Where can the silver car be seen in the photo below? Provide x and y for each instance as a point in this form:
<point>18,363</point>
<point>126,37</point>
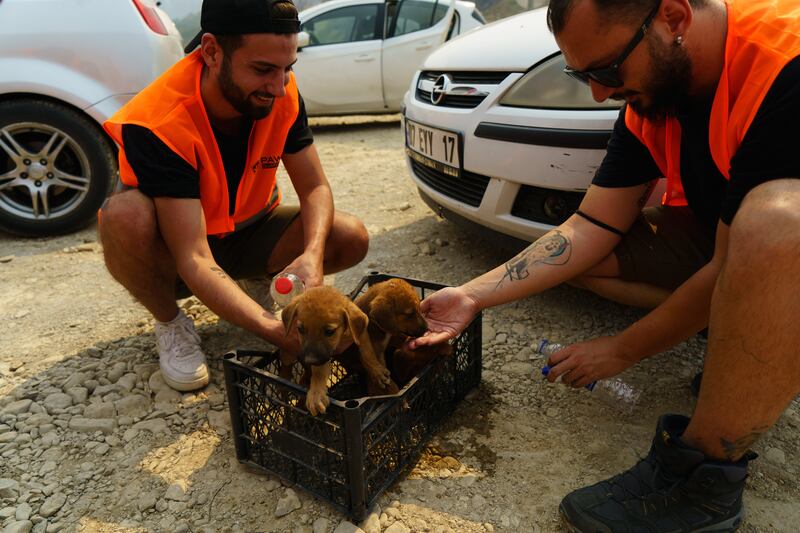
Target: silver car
<point>65,67</point>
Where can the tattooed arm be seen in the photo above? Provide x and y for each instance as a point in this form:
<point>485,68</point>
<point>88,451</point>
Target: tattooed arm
<point>183,229</point>
<point>560,255</point>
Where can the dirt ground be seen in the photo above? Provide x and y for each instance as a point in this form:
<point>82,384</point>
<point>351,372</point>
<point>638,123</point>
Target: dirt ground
<point>90,440</point>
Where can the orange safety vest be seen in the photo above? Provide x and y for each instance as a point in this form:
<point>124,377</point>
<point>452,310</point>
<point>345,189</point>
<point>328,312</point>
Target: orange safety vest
<point>172,108</point>
<point>763,36</point>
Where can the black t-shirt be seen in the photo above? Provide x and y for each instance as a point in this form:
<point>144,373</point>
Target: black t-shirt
<point>770,150</point>
<point>163,173</point>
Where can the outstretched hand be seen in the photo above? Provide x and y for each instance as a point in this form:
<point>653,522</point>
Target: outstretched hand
<point>447,311</point>
<point>582,363</point>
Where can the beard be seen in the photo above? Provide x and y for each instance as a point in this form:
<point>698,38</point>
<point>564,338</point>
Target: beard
<point>239,100</point>
<point>668,84</point>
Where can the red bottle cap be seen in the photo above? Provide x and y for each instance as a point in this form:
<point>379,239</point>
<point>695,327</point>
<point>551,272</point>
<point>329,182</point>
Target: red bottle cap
<point>284,285</point>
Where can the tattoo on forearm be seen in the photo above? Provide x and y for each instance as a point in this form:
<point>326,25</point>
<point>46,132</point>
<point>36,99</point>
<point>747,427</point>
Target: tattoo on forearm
<point>734,449</point>
<point>221,273</point>
<point>646,194</point>
<point>552,249</point>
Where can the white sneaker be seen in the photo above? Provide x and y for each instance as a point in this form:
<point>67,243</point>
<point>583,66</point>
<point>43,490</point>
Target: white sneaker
<point>258,290</point>
<point>182,362</point>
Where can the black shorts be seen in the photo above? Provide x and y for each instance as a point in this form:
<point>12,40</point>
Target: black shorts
<point>665,247</point>
<point>245,253</point>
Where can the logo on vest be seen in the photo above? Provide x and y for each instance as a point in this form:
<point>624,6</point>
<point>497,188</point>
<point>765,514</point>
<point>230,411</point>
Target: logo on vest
<point>266,162</point>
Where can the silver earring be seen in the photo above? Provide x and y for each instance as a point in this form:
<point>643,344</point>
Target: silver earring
<point>679,40</point>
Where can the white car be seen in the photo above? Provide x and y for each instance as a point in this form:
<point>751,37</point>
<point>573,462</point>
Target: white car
<point>358,56</point>
<point>60,79</point>
<point>497,135</point>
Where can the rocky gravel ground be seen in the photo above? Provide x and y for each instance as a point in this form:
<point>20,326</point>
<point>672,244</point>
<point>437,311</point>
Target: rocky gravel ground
<point>91,439</point>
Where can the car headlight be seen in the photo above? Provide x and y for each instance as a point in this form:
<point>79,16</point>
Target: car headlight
<point>547,87</point>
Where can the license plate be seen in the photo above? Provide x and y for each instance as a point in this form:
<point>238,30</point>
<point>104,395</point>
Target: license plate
<point>434,148</point>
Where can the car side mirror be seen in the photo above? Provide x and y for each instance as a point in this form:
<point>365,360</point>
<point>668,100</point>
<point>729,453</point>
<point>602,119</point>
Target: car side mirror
<point>303,40</point>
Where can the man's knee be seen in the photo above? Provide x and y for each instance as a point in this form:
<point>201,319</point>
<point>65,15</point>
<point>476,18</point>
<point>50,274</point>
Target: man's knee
<point>352,241</point>
<point>767,225</point>
<point>128,216</point>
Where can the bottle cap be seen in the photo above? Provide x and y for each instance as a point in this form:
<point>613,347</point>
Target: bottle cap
<point>545,370</point>
<point>284,285</point>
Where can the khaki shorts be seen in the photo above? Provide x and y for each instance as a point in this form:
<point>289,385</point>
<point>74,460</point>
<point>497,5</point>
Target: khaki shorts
<point>245,253</point>
<point>665,247</point>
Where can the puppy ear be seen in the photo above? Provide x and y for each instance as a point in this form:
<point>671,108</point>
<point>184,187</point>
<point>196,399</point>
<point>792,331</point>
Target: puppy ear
<point>381,312</point>
<point>289,315</point>
<point>357,321</point>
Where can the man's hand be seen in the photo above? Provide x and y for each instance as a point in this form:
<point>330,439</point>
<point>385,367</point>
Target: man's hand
<point>447,312</point>
<point>585,362</point>
<point>308,268</point>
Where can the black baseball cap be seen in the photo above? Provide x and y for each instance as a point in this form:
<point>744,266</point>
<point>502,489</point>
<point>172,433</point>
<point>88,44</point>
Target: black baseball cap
<point>237,17</point>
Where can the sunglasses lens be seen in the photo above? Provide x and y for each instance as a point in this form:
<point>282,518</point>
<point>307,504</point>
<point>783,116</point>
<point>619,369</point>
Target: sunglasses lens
<point>577,75</point>
<point>606,78</point>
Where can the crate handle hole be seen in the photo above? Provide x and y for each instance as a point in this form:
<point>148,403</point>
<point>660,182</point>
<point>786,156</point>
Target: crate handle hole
<point>352,404</point>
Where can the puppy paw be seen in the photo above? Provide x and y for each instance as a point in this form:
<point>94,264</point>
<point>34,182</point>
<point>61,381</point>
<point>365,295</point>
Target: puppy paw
<point>317,402</point>
<point>381,375</point>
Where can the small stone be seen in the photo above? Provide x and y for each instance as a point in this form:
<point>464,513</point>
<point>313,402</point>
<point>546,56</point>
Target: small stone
<point>100,410</point>
<point>17,408</point>
<point>75,380</point>
<point>116,372</point>
<point>156,382</point>
<point>134,405</point>
<point>182,527</point>
<point>175,493</point>
<point>372,524</point>
<point>478,502</point>
<point>488,527</point>
<point>161,506</point>
<point>90,425</point>
<point>22,526</point>
<point>102,449</point>
<point>52,504</point>
<point>347,527</point>
<point>8,437</point>
<point>520,368</point>
<point>145,502</point>
<point>7,258</point>
<point>487,332</point>
<point>57,401</point>
<point>79,395</point>
<point>156,425</point>
<point>220,421</point>
<point>23,512</point>
<point>47,467</point>
<point>321,525</point>
<point>551,412</point>
<point>290,502</point>
<point>775,456</point>
<point>397,527</point>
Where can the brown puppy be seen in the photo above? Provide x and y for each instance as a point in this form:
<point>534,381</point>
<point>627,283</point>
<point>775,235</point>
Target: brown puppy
<point>394,316</point>
<point>325,319</point>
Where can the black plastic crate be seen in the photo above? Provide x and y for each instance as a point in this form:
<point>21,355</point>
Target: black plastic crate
<point>353,452</point>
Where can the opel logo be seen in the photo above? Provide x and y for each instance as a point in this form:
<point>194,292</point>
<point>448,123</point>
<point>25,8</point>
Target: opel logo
<point>440,88</point>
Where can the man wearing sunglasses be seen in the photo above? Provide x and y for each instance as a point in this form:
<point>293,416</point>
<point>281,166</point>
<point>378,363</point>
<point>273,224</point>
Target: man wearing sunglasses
<point>712,94</point>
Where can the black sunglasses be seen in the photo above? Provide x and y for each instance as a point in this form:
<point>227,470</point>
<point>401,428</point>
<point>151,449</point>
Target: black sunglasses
<point>609,76</point>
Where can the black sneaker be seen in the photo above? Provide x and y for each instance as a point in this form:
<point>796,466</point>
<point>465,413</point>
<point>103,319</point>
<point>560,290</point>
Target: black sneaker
<point>673,489</point>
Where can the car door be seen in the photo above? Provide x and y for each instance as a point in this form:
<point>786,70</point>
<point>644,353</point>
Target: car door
<point>339,72</point>
<point>415,28</point>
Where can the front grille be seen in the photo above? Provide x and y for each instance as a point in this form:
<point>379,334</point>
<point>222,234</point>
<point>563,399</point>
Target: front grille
<point>481,78</point>
<point>548,206</point>
<point>485,79</point>
<point>467,188</point>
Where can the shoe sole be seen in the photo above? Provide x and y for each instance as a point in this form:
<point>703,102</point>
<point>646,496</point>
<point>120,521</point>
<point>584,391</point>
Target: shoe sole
<point>186,386</point>
<point>732,524</point>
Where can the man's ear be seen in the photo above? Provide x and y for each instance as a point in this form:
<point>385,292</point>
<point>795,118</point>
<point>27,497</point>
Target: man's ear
<point>289,316</point>
<point>381,313</point>
<point>211,50</point>
<point>357,321</point>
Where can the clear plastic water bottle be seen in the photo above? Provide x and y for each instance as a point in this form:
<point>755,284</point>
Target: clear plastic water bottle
<point>284,287</point>
<point>613,391</point>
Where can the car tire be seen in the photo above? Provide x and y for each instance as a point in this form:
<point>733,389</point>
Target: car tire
<point>56,168</point>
